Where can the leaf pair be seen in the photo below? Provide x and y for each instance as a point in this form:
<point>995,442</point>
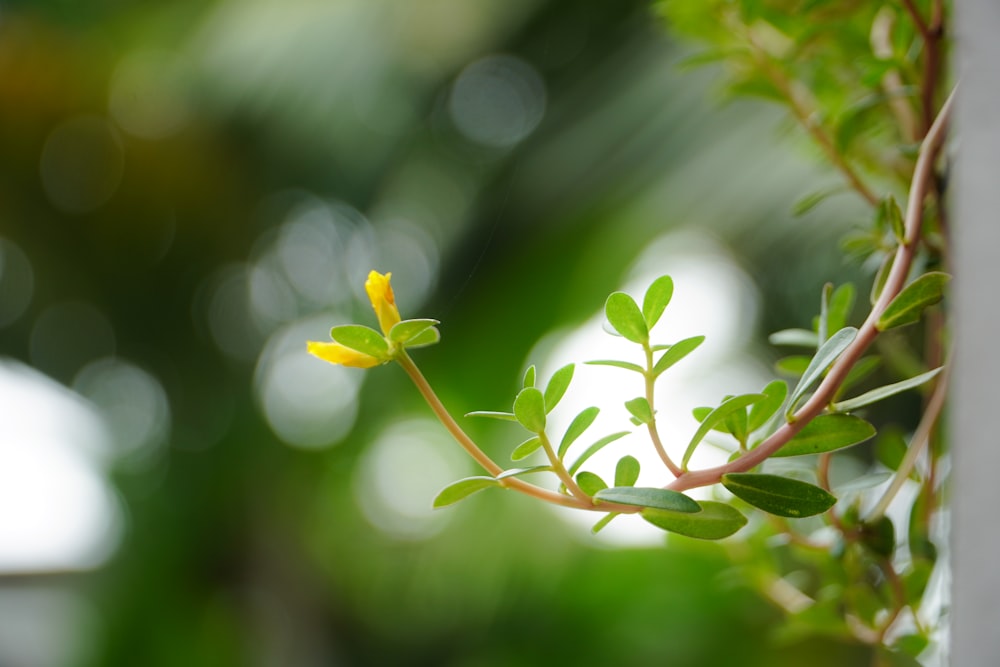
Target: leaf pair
<point>531,405</point>
<point>632,323</point>
<point>407,333</point>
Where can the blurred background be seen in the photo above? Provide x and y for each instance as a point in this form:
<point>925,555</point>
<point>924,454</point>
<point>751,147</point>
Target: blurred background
<point>191,190</point>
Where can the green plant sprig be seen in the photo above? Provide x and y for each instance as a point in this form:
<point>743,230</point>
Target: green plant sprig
<point>869,330</point>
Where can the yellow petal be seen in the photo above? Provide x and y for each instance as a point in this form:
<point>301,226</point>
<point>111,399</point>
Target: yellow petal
<point>336,353</point>
<point>383,300</point>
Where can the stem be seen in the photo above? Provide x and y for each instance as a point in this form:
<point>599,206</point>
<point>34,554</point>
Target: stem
<point>919,187</point>
<point>654,434</point>
<point>892,82</point>
<point>469,445</point>
<point>560,470</point>
<point>917,444</point>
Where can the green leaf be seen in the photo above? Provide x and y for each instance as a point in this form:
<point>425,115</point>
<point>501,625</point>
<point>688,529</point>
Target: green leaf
<point>820,323</point>
<point>881,276</point>
<point>810,201</point>
<point>526,448</point>
<point>529,377</point>
<point>642,496</point>
<point>761,411</point>
<point>594,448</point>
<point>529,408</point>
<point>617,364</point>
<point>405,331</point>
<point>909,304</point>
<point>462,489</point>
<point>558,384</point>
<point>717,417</point>
<point>590,483</point>
<point>794,338</point>
<point>576,428</point>
<point>793,366</point>
<point>640,409</point>
<point>361,339</point>
<point>826,355</point>
<point>656,299</point>
<point>879,536</point>
<point>839,307</point>
<point>779,495</point>
<point>627,471</point>
<point>429,336</point>
<point>827,433</point>
<point>625,316</point>
<point>890,448</point>
<point>888,390</point>
<point>736,424</point>
<point>701,412</point>
<point>890,215</point>
<point>676,352</point>
<point>605,520</point>
<point>912,645</point>
<point>916,579</point>
<point>714,522</point>
<point>505,416</point>
<point>516,472</point>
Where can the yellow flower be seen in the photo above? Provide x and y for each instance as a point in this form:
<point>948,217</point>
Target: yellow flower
<point>336,353</point>
<point>383,300</point>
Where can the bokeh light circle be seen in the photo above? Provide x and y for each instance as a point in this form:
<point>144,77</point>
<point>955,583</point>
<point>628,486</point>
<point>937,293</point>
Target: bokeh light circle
<point>497,101</point>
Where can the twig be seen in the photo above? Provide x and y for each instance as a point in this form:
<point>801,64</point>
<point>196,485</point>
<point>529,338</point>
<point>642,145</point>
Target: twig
<point>917,444</point>
<point>922,176</point>
<point>654,433</point>
<point>469,445</point>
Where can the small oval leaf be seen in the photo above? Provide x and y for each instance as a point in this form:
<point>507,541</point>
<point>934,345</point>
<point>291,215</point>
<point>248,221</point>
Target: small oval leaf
<point>714,522</point>
<point>576,428</point>
<point>590,483</point>
<point>827,433</point>
<point>761,411</point>
<point>529,377</point>
<point>909,304</point>
<point>642,496</point>
<point>558,384</point>
<point>676,352</point>
<point>529,408</point>
<point>716,418</point>
<point>779,495</point>
<point>639,408</point>
<point>526,448</point>
<point>793,366</point>
<point>839,307</point>
<point>405,331</point>
<point>462,489</point>
<point>625,316</point>
<point>429,336</point>
<point>656,299</point>
<point>361,339</point>
<point>627,471</point>
<point>794,338</point>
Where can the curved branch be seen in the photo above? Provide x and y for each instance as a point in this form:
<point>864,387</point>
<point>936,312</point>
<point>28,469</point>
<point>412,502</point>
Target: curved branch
<point>921,184</point>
